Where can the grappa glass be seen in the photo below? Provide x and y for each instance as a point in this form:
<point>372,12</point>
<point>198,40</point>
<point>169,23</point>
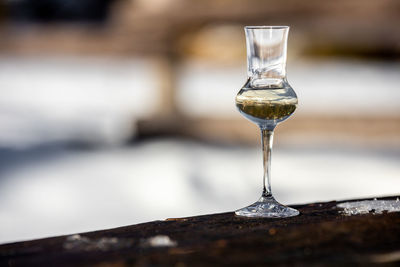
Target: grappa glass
<point>266,99</point>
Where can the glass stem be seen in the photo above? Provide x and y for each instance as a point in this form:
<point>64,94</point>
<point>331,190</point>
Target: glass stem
<point>267,136</point>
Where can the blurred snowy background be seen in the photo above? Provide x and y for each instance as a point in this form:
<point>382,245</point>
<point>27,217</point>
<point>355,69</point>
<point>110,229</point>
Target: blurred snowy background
<point>109,119</point>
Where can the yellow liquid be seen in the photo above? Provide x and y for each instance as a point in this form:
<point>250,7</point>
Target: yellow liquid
<point>266,104</point>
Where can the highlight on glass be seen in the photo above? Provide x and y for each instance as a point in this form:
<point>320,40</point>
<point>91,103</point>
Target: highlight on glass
<point>266,99</point>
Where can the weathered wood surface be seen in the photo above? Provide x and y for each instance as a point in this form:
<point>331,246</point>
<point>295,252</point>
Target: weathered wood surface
<point>320,235</point>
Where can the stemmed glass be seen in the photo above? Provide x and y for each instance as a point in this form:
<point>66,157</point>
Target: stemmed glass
<point>266,99</point>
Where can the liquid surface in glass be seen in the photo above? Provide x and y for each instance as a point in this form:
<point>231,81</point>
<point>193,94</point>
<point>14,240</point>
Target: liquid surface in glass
<point>263,105</point>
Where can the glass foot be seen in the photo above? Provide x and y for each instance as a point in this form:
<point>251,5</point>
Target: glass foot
<point>267,207</point>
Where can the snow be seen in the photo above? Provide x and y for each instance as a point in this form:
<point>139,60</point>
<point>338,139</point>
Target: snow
<point>369,206</point>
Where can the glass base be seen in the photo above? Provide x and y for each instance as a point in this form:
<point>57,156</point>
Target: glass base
<point>267,207</point>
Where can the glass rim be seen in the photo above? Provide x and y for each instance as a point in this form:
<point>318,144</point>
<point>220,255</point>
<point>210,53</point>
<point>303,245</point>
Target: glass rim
<point>266,27</point>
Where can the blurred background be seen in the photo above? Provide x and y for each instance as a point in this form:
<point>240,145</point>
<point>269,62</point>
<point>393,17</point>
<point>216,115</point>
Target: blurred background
<point>116,112</point>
